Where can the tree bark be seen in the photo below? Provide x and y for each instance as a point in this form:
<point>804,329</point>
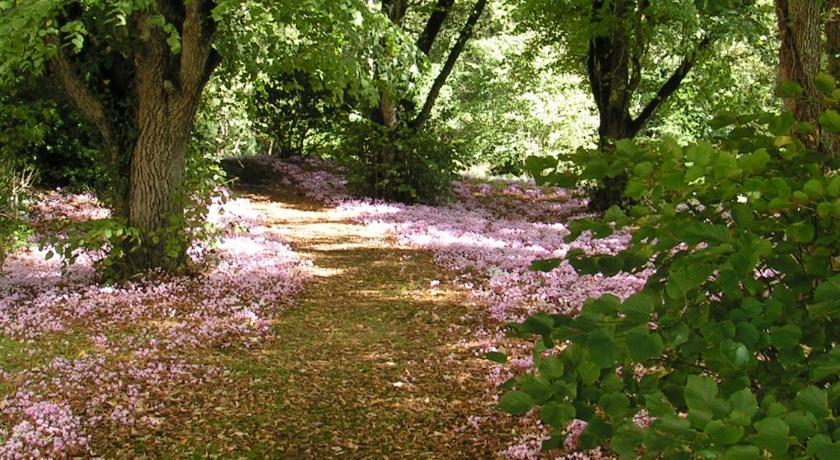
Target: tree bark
<point>434,25</point>
<point>168,97</point>
<point>799,57</point>
<point>832,30</point>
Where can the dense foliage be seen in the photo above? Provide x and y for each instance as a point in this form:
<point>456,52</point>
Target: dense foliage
<point>731,345</point>
<point>403,165</point>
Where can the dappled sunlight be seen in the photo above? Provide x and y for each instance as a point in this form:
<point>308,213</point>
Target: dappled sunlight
<point>170,319</point>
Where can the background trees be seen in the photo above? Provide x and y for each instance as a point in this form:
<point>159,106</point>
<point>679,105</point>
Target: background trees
<point>636,54</point>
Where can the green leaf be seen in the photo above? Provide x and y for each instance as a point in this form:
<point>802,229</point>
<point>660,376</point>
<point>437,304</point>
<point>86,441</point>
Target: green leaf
<point>602,350</point>
<point>742,453</point>
<point>700,392</point>
<point>785,337</point>
<point>782,124</point>
<point>539,323</point>
<point>827,298</point>
<point>643,169</point>
<point>643,345</point>
<point>744,403</point>
<point>607,304</point>
<point>813,400</point>
<point>545,265</point>
<point>823,448</point>
<point>723,120</point>
<point>638,307</point>
<point>772,435</point>
<point>615,405</point>
<point>814,188</point>
<point>557,415</point>
<point>626,439</point>
<point>830,121</point>
<point>538,166</point>
<point>801,232</point>
<point>552,367</point>
<point>721,433</point>
<point>516,403</point>
<point>825,83</point>
<point>790,89</point>
<point>496,356</point>
<point>597,431</point>
<point>536,388</point>
<point>826,366</point>
<point>834,187</point>
<point>802,424</point>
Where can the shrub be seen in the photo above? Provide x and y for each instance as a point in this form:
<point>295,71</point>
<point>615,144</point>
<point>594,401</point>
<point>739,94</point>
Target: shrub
<point>731,345</point>
<point>404,165</point>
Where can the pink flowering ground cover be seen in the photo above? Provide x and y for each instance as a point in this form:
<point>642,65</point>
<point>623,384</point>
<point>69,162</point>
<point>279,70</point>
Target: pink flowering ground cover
<point>487,238</point>
<point>83,365</point>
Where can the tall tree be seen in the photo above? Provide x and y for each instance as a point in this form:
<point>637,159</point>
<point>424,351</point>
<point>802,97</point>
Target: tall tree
<point>800,53</point>
<point>393,106</point>
<point>635,55</point>
<point>832,31</point>
<point>620,46</point>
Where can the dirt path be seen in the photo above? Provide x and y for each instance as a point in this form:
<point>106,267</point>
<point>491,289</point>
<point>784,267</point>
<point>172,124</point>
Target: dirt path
<point>367,364</point>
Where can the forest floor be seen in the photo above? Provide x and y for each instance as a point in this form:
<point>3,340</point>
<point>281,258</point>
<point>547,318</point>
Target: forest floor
<point>324,326</point>
<point>369,363</point>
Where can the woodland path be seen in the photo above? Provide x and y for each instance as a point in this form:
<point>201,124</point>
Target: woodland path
<point>369,362</point>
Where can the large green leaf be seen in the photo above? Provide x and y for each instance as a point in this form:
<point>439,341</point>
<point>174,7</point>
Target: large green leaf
<point>700,392</point>
<point>516,402</point>
<point>557,415</point>
<point>830,121</point>
<point>643,345</point>
<point>772,434</point>
<point>813,400</point>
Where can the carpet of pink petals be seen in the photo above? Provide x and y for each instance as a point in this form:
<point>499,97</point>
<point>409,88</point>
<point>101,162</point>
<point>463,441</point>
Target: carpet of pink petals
<point>487,237</point>
<point>137,341</point>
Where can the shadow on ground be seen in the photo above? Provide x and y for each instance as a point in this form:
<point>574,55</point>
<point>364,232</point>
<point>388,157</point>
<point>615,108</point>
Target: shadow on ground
<point>368,364</point>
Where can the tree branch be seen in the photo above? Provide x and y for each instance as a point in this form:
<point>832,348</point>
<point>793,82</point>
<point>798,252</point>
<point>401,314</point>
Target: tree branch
<point>451,59</point>
<point>669,87</point>
<point>641,47</point>
<point>434,25</point>
<point>196,46</point>
<point>91,108</point>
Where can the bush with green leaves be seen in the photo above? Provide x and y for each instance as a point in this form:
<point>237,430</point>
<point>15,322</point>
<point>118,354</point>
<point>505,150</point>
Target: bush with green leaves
<point>404,164</point>
<point>731,345</point>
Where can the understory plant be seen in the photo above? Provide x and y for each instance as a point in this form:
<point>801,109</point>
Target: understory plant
<point>405,164</point>
<point>729,351</point>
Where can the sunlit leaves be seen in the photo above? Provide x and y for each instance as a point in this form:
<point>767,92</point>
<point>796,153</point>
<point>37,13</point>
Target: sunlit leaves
<point>743,240</point>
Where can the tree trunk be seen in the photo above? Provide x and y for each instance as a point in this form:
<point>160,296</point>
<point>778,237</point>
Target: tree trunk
<point>153,137</point>
<point>156,201</point>
<point>165,118</point>
<point>449,65</point>
<point>799,58</point>
<point>434,25</point>
<point>832,29</point>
